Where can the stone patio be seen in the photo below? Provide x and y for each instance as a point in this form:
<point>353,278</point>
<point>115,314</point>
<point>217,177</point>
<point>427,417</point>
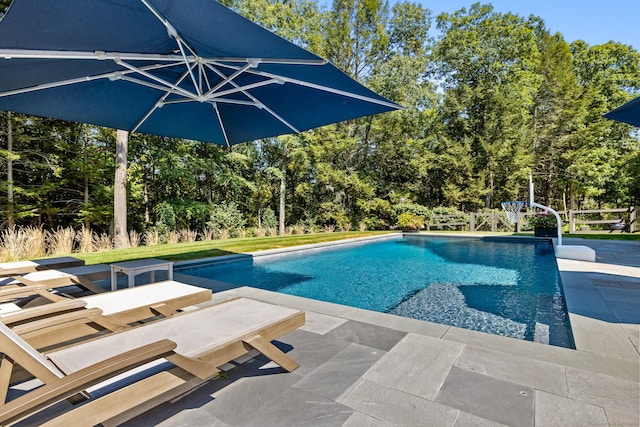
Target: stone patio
<point>361,368</point>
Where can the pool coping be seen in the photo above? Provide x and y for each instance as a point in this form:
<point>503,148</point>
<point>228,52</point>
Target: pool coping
<point>601,346</point>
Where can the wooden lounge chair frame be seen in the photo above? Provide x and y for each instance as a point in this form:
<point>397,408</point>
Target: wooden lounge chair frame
<point>135,306</point>
<point>190,369</point>
<point>23,267</point>
<point>61,277</point>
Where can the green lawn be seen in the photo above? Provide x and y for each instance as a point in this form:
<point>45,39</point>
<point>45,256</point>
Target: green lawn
<point>213,248</point>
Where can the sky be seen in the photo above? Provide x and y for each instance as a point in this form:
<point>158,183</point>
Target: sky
<point>595,22</point>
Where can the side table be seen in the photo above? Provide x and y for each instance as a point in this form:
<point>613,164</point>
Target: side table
<point>133,268</point>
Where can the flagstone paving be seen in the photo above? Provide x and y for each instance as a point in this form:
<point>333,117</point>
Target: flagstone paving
<point>359,368</point>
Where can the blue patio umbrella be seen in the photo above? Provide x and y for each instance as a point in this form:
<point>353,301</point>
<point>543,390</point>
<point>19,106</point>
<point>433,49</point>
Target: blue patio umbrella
<point>191,69</point>
<point>627,113</point>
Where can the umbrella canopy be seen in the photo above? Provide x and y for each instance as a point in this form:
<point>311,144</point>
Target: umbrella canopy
<point>627,113</point>
<point>190,69</point>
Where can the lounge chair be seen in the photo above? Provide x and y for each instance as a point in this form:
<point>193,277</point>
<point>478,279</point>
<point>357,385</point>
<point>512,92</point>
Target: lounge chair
<point>23,267</point>
<point>204,339</point>
<point>60,277</point>
<point>125,306</point>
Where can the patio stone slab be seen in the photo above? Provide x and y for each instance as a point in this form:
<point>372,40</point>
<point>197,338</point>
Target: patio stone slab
<point>417,365</point>
<point>338,374</point>
<point>302,408</point>
<point>367,335</point>
<point>607,338</point>
<point>310,350</point>
<point>557,411</point>
<point>396,407</point>
<point>358,419</point>
<point>320,323</point>
<point>531,373</point>
<point>488,398</point>
<point>469,420</point>
<point>620,419</point>
<point>603,390</point>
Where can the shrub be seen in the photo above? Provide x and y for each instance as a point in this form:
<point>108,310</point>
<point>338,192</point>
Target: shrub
<point>207,234</point>
<point>20,243</point>
<point>409,221</point>
<point>269,219</point>
<point>271,231</point>
<point>222,234</point>
<point>84,237</point>
<point>151,237</point>
<point>173,237</point>
<point>226,216</point>
<point>60,242</point>
<point>413,208</point>
<point>187,235</point>
<point>166,220</point>
<point>102,242</point>
<point>135,239</point>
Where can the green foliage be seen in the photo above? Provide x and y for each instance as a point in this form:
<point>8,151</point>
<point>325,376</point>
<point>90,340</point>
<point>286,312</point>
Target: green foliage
<point>226,216</point>
<point>543,220</point>
<point>409,221</point>
<point>414,209</point>
<point>166,220</point>
<point>269,219</point>
<point>489,98</point>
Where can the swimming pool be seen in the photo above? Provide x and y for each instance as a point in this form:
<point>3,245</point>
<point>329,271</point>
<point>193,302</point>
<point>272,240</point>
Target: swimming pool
<point>504,287</point>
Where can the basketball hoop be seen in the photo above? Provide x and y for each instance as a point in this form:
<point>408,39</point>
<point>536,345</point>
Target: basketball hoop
<point>512,209</point>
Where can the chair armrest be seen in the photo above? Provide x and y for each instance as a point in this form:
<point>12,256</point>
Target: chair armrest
<point>33,313</point>
<point>84,316</point>
<point>8,292</point>
<point>78,381</point>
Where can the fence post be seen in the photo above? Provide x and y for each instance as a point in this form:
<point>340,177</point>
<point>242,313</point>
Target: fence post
<point>572,222</point>
<point>494,222</point>
<point>632,219</point>
<point>472,221</point>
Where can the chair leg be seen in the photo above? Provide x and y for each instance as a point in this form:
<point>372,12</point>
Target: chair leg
<point>6,367</point>
<point>272,352</point>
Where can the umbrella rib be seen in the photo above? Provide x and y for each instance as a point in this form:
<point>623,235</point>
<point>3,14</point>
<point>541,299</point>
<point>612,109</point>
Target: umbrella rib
<point>132,56</point>
<point>220,100</point>
<point>117,75</point>
<point>254,99</point>
<point>173,33</point>
<point>189,68</point>
<point>323,88</point>
<point>159,103</point>
<point>224,132</point>
<point>226,80</point>
<point>162,82</point>
<point>242,88</point>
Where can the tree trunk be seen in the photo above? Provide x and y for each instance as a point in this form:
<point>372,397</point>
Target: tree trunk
<point>282,197</point>
<point>10,213</point>
<point>120,234</point>
<point>87,225</point>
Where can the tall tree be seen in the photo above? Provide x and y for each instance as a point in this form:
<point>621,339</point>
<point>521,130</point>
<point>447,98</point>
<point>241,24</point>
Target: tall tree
<point>557,117</point>
<point>487,62</point>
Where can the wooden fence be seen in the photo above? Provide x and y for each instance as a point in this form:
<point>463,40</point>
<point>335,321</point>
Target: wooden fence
<point>580,221</point>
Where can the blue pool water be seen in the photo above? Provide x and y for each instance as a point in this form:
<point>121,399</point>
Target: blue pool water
<point>510,288</point>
